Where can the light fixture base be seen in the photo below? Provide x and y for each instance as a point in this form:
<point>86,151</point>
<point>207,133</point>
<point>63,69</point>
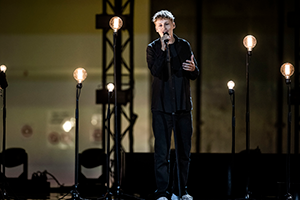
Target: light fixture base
<point>288,81</point>
<point>79,85</point>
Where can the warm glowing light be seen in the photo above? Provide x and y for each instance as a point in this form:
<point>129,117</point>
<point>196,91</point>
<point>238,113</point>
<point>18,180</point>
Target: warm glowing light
<point>230,85</point>
<point>80,75</point>
<point>249,42</point>
<point>287,70</point>
<point>68,125</point>
<point>3,68</point>
<point>116,23</point>
<point>110,87</point>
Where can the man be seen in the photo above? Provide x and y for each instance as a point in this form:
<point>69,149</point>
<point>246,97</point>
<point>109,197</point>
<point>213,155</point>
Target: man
<point>171,103</point>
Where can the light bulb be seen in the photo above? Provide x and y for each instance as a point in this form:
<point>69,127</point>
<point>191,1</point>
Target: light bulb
<point>230,85</point>
<point>80,75</point>
<point>3,68</point>
<point>249,42</point>
<point>287,70</point>
<point>116,23</point>
<point>110,87</point>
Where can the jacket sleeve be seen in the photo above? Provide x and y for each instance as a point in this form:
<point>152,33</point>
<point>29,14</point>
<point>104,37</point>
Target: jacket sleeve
<point>155,59</point>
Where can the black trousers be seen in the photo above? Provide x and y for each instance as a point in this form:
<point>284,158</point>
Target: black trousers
<point>162,124</point>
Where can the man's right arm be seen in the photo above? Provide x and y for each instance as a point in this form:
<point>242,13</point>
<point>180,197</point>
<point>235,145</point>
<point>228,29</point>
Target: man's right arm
<point>155,60</point>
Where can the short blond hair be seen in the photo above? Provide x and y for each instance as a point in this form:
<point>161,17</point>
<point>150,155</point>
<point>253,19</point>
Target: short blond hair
<point>163,14</point>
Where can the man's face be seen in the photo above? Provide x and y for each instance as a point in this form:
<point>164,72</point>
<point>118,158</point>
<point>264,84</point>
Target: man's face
<point>163,25</point>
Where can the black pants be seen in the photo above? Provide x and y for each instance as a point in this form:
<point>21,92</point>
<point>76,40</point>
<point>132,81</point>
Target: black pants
<point>162,127</point>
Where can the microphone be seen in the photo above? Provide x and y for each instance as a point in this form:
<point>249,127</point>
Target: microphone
<point>166,40</point>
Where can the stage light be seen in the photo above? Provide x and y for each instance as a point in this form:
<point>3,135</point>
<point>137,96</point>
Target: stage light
<point>80,75</point>
<point>110,87</point>
<point>230,85</point>
<point>3,68</point>
<point>287,70</point>
<point>68,125</point>
<point>116,23</point>
<point>249,42</point>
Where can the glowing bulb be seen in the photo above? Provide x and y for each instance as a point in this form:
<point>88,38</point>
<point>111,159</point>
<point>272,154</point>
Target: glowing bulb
<point>287,70</point>
<point>3,68</point>
<point>249,42</point>
<point>116,23</point>
<point>80,75</point>
<point>230,85</point>
<point>110,87</point>
<point>67,126</point>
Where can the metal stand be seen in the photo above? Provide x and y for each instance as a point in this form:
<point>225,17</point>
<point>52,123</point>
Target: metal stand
<point>173,117</point>
<point>247,193</point>
<point>3,85</point>
<point>74,192</point>
<point>230,174</point>
<point>288,196</point>
<point>108,195</point>
<point>117,194</point>
<point>3,177</point>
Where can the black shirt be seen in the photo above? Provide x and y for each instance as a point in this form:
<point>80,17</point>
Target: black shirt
<point>180,51</point>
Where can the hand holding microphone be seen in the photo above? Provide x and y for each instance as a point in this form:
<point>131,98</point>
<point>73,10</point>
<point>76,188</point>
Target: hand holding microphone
<point>165,39</point>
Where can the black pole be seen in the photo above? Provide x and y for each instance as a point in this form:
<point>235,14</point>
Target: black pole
<point>117,134</point>
<point>3,177</point>
<point>288,196</point>
<point>230,174</point>
<point>3,85</point>
<point>4,130</point>
<point>108,193</point>
<point>75,194</point>
<point>173,117</point>
<point>249,53</point>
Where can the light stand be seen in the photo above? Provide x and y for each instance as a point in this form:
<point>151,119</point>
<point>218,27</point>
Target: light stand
<point>116,23</point>
<point>231,85</point>
<point>108,195</point>
<point>79,75</point>
<point>287,71</point>
<point>3,85</point>
<point>249,42</point>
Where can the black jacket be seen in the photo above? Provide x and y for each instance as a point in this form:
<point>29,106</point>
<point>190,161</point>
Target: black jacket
<point>161,90</point>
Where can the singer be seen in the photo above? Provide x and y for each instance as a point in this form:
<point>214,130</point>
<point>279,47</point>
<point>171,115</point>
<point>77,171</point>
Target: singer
<point>169,102</point>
